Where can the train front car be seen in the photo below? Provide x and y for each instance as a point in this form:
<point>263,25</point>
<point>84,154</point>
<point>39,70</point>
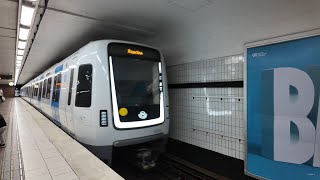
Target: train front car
<point>138,100</point>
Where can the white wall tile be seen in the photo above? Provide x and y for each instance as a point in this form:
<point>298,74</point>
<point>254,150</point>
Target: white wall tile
<point>210,123</point>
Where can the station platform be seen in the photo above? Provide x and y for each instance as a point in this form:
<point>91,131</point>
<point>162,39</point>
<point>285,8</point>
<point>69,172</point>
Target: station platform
<point>36,149</point>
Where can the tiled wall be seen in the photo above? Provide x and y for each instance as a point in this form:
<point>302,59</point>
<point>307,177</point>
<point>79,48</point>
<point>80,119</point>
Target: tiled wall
<point>211,118</point>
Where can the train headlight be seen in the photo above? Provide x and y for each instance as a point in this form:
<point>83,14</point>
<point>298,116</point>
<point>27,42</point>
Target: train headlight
<point>103,118</point>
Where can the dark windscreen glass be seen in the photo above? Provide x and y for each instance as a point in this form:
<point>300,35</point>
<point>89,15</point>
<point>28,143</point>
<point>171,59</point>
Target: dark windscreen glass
<point>137,87</point>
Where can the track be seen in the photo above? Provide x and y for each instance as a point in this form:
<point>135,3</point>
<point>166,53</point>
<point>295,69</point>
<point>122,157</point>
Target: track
<point>168,168</point>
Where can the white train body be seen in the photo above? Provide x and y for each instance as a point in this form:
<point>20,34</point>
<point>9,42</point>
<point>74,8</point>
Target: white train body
<point>126,103</point>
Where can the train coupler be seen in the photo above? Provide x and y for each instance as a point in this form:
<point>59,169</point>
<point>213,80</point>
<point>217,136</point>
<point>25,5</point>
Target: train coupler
<point>145,159</point>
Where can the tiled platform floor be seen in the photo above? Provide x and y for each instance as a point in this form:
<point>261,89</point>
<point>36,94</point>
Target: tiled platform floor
<point>42,146</point>
<point>10,157</point>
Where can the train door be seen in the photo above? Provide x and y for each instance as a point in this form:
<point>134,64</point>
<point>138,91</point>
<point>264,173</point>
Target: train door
<point>56,95</point>
<point>47,95</point>
<point>83,98</point>
<point>35,94</point>
<point>31,92</point>
<point>39,94</point>
<point>43,95</point>
<point>63,97</point>
<point>69,106</point>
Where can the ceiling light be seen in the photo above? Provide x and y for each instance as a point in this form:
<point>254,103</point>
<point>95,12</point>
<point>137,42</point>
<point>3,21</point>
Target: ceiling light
<point>19,58</point>
<point>20,52</point>
<point>10,83</point>
<point>22,44</point>
<point>26,15</point>
<point>23,33</point>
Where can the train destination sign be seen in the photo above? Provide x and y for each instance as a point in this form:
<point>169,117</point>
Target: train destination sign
<point>136,51</point>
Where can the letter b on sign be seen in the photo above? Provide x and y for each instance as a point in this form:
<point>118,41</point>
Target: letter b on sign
<point>290,133</point>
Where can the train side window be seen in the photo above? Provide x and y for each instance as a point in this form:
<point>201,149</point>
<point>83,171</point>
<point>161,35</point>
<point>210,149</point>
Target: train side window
<point>84,86</point>
<point>40,89</point>
<point>48,92</point>
<point>70,86</point>
<point>35,89</point>
<point>56,88</point>
<point>44,88</point>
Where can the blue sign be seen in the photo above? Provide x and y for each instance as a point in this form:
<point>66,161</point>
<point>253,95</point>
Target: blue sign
<point>283,112</point>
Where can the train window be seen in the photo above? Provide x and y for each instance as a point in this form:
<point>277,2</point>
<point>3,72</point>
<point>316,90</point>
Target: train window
<point>84,86</point>
<point>40,90</point>
<point>44,88</point>
<point>48,92</point>
<point>137,84</point>
<point>70,86</point>
<point>56,88</point>
<point>36,87</point>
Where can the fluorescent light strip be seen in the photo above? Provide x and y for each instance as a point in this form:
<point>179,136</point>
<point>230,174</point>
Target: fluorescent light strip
<point>23,33</point>
<point>22,44</point>
<point>20,52</point>
<point>26,15</point>
<point>19,58</point>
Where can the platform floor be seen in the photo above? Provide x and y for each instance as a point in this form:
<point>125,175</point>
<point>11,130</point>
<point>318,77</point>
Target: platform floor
<point>38,150</point>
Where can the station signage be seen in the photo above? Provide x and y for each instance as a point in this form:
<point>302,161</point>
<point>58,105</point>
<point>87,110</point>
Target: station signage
<point>283,111</point>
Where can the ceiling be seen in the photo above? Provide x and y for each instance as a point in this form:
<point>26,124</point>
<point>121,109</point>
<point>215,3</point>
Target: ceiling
<point>8,26</point>
<point>186,30</point>
<point>68,25</point>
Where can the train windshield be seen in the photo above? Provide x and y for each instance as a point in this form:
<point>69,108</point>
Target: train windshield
<point>137,88</point>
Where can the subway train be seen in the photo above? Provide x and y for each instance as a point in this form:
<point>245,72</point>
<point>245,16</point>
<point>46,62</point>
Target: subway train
<point>108,94</point>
